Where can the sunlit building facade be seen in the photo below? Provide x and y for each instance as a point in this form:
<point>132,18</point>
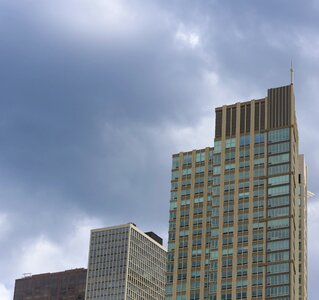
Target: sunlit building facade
<point>256,207</point>
<point>125,264</point>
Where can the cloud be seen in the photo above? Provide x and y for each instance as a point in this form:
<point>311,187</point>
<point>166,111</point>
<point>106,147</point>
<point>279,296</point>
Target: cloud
<point>5,294</point>
<point>4,225</point>
<point>96,96</point>
<point>188,38</point>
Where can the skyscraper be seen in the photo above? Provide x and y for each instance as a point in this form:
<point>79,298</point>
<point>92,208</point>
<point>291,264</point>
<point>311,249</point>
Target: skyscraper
<point>125,264</point>
<point>254,191</point>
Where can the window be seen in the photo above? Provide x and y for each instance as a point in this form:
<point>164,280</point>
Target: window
<point>278,201</point>
<point>279,148</point>
<point>244,140</point>
<point>278,190</point>
<point>278,291</point>
<point>259,138</point>
<point>278,212</point>
<point>278,256</point>
<point>278,180</point>
<point>217,146</point>
<point>279,135</point>
<point>278,279</point>
<point>200,156</point>
<point>230,143</point>
<point>187,159</point>
<point>278,159</point>
<point>278,234</point>
<point>278,245</point>
<point>278,268</point>
<point>278,169</point>
<point>280,223</point>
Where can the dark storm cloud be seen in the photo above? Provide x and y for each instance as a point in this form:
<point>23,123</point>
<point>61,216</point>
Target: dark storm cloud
<point>91,110</point>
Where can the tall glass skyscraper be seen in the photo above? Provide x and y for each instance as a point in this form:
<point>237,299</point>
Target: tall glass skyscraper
<point>238,230</point>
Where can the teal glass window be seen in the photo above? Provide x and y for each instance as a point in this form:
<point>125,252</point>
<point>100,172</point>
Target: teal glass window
<point>278,201</point>
<point>175,162</point>
<point>259,150</point>
<point>217,146</point>
<point>278,135</point>
<point>278,234</point>
<point>278,159</point>
<point>229,167</point>
<point>275,291</point>
<point>216,170</point>
<point>230,155</point>
<point>278,190</point>
<point>187,171</point>
<point>200,156</point>
<point>217,159</point>
<point>278,212</point>
<point>278,256</point>
<point>200,169</point>
<point>244,140</point>
<point>187,159</point>
<point>279,148</point>
<point>259,138</point>
<point>279,223</point>
<point>278,245</point>
<point>278,279</point>
<point>278,268</point>
<point>278,180</point>
<point>230,143</point>
<point>280,169</point>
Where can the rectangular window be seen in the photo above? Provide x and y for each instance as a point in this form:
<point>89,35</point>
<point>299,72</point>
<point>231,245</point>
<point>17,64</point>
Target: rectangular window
<point>259,138</point>
<point>278,268</point>
<point>278,180</point>
<point>280,169</point>
<point>217,146</point>
<point>278,234</point>
<point>244,140</point>
<point>278,279</point>
<point>278,245</point>
<point>280,223</point>
<point>278,190</point>
<point>278,135</point>
<point>279,148</point>
<point>279,212</point>
<point>278,256</point>
<point>278,291</point>
<point>278,159</point>
<point>278,201</point>
<point>230,143</point>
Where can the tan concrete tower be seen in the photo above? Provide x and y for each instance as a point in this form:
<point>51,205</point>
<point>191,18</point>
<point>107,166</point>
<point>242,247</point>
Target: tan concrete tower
<point>255,207</point>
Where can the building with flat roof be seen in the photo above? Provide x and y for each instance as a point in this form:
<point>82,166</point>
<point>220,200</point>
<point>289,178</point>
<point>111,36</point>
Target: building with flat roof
<point>238,212</point>
<point>125,264</point>
<point>66,285</point>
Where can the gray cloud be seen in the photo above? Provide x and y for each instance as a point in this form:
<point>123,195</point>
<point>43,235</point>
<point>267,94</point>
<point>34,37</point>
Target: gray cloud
<point>95,98</point>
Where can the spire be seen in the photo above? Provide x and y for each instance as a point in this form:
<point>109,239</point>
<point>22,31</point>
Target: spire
<point>291,73</point>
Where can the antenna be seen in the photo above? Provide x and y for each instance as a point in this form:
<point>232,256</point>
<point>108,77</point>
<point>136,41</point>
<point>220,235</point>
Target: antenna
<point>291,73</point>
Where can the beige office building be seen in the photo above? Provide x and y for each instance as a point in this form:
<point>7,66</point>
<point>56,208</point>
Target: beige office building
<point>125,264</point>
<point>253,195</point>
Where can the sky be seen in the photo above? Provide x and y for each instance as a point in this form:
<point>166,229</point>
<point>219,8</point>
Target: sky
<point>96,95</point>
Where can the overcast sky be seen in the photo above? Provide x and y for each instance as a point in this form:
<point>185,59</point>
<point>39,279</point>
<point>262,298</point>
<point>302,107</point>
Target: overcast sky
<point>96,95</point>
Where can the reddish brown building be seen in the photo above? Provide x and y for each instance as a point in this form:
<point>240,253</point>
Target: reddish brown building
<point>67,285</point>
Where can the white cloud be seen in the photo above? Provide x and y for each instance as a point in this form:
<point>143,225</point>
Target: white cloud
<point>4,293</point>
<point>87,18</point>
<point>187,37</point>
<point>43,254</point>
<point>4,225</point>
